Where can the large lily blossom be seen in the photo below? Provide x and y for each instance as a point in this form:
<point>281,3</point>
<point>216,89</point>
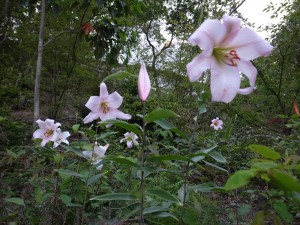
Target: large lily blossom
<point>144,85</point>
<point>96,154</point>
<point>217,124</point>
<point>61,137</point>
<point>105,106</point>
<point>227,51</point>
<point>47,131</point>
<point>130,139</point>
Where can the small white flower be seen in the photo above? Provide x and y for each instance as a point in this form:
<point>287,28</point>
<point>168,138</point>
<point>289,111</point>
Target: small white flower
<point>217,124</point>
<point>130,138</point>
<point>96,154</point>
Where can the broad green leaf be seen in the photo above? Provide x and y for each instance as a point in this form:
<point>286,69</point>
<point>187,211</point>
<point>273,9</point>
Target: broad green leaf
<point>244,209</point>
<point>94,178</point>
<point>159,114</point>
<point>66,199</point>
<point>122,124</point>
<point>239,179</point>
<point>259,218</point>
<point>18,201</point>
<point>121,160</point>
<point>154,209</point>
<point>284,181</point>
<point>116,196</point>
<point>75,128</point>
<point>217,156</point>
<point>167,157</point>
<point>282,210</point>
<point>264,166</point>
<point>265,151</point>
<point>163,194</point>
<point>118,75</point>
<point>69,172</point>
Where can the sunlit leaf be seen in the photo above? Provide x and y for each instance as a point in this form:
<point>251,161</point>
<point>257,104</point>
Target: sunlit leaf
<point>265,151</point>
<point>154,209</point>
<point>239,179</point>
<point>217,156</point>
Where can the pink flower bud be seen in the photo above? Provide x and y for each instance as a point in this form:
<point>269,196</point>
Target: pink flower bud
<point>144,85</point>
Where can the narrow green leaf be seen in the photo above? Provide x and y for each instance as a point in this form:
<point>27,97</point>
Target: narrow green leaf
<point>165,214</point>
<point>215,166</point>
<point>282,210</point>
<point>154,209</point>
<point>122,124</point>
<point>159,114</point>
<point>121,160</point>
<point>206,151</point>
<point>118,75</point>
<point>163,194</point>
<point>167,157</point>
<point>265,151</point>
<point>18,201</point>
<point>116,196</point>
<point>239,179</point>
<point>217,156</point>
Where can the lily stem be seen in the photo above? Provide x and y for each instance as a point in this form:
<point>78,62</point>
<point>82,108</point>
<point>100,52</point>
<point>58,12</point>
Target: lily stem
<point>142,169</point>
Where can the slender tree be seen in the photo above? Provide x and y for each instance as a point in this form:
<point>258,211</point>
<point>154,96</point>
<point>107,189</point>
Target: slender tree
<point>39,64</point>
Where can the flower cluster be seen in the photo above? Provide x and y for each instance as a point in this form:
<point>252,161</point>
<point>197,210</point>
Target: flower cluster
<point>227,51</point>
<point>50,132</point>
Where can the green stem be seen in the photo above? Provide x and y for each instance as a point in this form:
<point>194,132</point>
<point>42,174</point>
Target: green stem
<point>185,184</point>
<point>85,196</point>
<point>142,169</point>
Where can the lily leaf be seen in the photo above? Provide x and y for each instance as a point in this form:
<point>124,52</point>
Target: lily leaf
<point>118,76</point>
<point>159,114</point>
<point>116,196</point>
<point>122,124</point>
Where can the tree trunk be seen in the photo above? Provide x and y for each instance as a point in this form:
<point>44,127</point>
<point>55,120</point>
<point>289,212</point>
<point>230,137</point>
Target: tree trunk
<point>39,65</point>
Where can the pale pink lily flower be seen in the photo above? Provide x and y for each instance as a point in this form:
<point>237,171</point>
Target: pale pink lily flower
<point>130,139</point>
<point>105,106</point>
<point>47,131</point>
<point>227,51</point>
<point>61,137</point>
<point>97,154</point>
<point>217,124</point>
<point>144,85</point>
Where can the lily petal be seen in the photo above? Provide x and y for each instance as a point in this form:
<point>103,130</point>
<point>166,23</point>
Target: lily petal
<point>115,100</point>
<point>144,85</point>
<point>93,103</point>
<point>91,117</point>
<point>123,116</point>
<point>233,26</point>
<point>224,87</point>
<point>103,90</point>
<point>197,66</point>
<point>247,68</point>
<point>249,45</point>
